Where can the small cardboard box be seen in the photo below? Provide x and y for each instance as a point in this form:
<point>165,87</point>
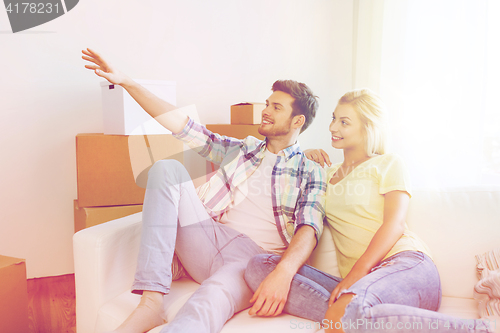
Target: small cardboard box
<point>122,115</point>
<point>112,169</point>
<point>13,295</point>
<point>247,113</point>
<point>89,216</point>
<point>236,131</point>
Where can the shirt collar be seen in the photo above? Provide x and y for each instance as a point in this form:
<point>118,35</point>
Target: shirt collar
<point>291,151</point>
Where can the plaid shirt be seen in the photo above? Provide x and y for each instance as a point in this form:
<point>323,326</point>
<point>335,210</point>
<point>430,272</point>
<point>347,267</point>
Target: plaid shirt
<point>298,184</point>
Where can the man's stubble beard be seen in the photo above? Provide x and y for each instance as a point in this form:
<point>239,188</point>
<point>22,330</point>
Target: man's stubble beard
<point>276,131</point>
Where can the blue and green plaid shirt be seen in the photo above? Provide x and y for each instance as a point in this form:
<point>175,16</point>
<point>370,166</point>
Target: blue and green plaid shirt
<point>298,184</point>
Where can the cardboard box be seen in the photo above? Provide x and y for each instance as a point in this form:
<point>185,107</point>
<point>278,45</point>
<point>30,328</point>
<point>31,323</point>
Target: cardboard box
<point>112,168</point>
<point>247,113</point>
<point>13,295</point>
<point>122,115</point>
<point>236,131</point>
<point>89,216</point>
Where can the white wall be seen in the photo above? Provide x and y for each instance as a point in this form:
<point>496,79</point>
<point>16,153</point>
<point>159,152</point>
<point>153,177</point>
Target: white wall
<point>220,52</point>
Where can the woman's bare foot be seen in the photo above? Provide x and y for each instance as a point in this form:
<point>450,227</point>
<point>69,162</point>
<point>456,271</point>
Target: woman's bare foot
<point>147,315</point>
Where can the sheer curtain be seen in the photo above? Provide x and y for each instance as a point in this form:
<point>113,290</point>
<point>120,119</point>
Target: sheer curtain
<point>435,63</point>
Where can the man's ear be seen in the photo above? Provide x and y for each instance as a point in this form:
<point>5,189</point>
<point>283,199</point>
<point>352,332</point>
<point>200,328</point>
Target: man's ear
<point>298,121</point>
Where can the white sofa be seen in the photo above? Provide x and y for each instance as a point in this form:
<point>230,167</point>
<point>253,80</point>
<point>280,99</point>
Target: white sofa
<point>456,224</point>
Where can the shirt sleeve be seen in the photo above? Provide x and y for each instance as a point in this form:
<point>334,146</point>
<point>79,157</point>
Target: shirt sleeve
<point>394,175</point>
<point>212,146</point>
<point>310,206</point>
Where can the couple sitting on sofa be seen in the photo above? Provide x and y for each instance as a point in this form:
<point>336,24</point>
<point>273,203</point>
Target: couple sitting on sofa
<point>246,234</point>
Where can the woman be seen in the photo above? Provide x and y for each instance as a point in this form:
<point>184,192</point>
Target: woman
<point>389,281</point>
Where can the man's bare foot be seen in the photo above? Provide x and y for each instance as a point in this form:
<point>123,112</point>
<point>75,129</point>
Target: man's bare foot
<point>147,315</point>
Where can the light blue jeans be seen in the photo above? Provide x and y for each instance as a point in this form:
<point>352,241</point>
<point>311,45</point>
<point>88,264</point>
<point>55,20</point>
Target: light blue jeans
<point>174,219</point>
<point>401,294</point>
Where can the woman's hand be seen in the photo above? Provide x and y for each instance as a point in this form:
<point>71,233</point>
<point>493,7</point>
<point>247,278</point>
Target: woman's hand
<point>351,278</point>
<point>102,68</point>
<point>318,156</point>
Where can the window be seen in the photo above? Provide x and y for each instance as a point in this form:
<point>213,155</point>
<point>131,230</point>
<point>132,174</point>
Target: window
<point>439,74</point>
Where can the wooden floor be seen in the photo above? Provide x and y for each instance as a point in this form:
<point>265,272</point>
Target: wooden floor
<point>52,304</point>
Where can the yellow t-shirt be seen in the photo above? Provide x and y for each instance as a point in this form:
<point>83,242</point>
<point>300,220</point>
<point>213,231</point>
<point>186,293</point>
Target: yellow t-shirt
<point>355,208</point>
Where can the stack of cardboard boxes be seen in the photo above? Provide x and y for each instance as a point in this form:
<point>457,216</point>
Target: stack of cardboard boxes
<point>245,121</point>
<point>112,167</point>
<point>112,173</point>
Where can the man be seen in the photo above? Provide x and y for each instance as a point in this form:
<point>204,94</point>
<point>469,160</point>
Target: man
<point>264,193</point>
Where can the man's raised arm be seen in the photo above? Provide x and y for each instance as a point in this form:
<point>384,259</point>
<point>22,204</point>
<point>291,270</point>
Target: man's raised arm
<point>171,119</point>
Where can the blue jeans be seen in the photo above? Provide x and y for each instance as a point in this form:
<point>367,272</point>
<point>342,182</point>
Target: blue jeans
<point>401,294</point>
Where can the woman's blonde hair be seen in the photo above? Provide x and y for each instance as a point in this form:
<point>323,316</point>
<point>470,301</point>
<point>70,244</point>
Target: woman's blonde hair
<point>371,111</point>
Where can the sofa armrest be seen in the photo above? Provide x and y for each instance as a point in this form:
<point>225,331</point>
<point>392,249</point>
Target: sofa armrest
<point>105,258</point>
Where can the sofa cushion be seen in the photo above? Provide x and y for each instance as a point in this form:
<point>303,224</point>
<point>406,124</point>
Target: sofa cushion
<point>244,323</point>
<point>456,224</point>
<point>113,313</point>
<point>459,307</point>
<point>324,256</point>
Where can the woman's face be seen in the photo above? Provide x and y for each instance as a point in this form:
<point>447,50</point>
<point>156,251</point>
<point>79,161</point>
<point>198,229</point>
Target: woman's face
<point>346,128</point>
